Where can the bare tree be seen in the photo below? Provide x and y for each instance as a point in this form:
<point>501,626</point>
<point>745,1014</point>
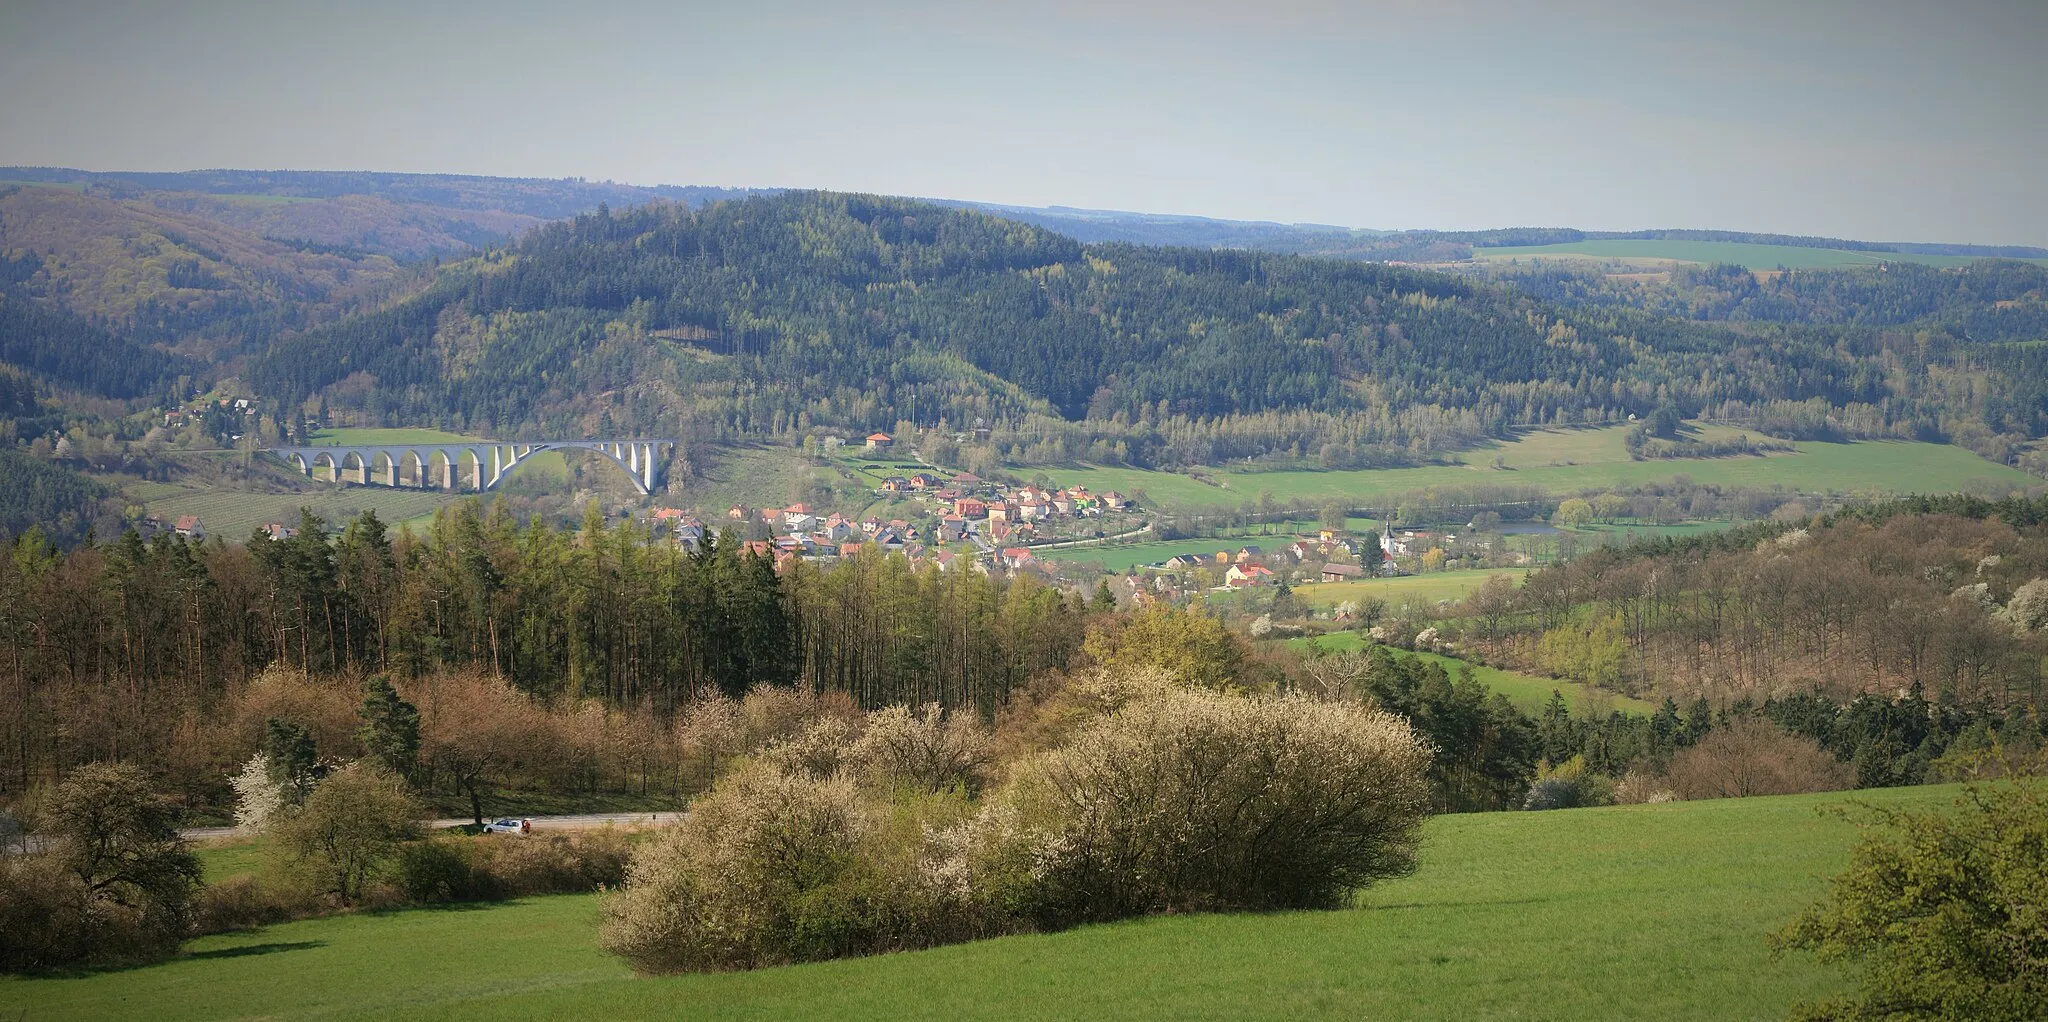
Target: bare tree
<point>1752,757</point>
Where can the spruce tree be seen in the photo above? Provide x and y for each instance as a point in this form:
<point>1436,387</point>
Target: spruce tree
<point>390,731</point>
<point>293,759</point>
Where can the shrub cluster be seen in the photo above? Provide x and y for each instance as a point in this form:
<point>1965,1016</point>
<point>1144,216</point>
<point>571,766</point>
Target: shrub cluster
<point>1196,801</point>
<point>465,869</point>
<point>113,884</point>
<point>852,838</point>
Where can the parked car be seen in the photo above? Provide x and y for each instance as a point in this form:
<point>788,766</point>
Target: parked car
<point>509,826</point>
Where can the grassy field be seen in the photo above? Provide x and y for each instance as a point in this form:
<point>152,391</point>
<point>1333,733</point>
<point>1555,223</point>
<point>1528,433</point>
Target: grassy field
<point>1527,691</point>
<point>1627,912</point>
<point>1155,489</point>
<point>1571,460</point>
<point>1408,589</point>
<point>229,857</point>
<point>369,435</point>
<point>773,476</point>
<point>233,514</point>
<point>1755,257</point>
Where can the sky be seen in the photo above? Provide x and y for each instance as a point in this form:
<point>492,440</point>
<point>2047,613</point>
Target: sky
<point>1891,120</point>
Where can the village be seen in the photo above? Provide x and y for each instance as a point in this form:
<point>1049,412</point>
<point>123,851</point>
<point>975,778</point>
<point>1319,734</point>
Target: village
<point>955,520</point>
<point>964,520</point>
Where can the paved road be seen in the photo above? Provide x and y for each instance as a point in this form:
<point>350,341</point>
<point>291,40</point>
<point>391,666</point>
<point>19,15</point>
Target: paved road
<point>581,822</point>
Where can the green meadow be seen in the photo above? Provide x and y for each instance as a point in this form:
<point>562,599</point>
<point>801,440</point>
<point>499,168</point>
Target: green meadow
<point>1630,912</point>
<point>1755,257</point>
<point>234,514</point>
<point>374,435</point>
<point>1569,460</point>
<point>1527,691</point>
<point>1121,556</point>
<point>1426,589</point>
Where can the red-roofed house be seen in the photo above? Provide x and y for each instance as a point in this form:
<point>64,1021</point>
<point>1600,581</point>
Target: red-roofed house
<point>880,441</point>
<point>1247,575</point>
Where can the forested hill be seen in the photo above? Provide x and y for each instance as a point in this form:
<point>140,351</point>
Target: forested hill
<point>861,311</point>
<point>171,277</point>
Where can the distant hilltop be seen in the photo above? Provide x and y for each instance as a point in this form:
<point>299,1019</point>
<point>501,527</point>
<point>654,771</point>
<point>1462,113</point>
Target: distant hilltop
<point>471,210</point>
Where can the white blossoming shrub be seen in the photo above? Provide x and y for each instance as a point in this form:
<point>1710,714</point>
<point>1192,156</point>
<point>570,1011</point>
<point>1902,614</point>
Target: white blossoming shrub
<point>773,867</point>
<point>1195,801</point>
<point>718,732</point>
<point>723,889</point>
<point>846,839</point>
<point>257,797</point>
<point>819,750</point>
<point>925,751</point>
<point>2028,608</point>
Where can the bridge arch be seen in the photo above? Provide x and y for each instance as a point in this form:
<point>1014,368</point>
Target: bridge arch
<point>417,462</point>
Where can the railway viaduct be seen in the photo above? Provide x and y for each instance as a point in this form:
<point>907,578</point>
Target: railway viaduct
<point>475,465</point>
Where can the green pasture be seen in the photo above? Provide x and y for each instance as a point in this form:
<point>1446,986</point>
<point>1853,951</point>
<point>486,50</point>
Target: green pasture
<point>1528,691</point>
<point>1655,911</point>
<point>229,857</point>
<point>1157,489</point>
<point>1755,257</point>
<point>375,435</point>
<point>233,514</point>
<point>770,475</point>
<point>1568,460</point>
<point>1430,588</point>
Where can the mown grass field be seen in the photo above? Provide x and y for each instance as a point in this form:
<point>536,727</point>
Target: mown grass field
<point>233,514</point>
<point>1270,538</point>
<point>378,435</point>
<point>1571,460</point>
<point>1431,588</point>
<point>1755,257</point>
<point>1635,912</point>
<point>1528,691</point>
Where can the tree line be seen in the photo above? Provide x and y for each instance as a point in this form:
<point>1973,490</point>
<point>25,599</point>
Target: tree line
<point>112,648</point>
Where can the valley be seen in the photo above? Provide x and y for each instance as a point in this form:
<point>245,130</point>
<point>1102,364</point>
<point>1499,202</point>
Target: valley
<point>1509,623</point>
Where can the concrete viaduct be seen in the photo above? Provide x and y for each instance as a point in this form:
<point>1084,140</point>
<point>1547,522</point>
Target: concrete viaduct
<point>476,465</point>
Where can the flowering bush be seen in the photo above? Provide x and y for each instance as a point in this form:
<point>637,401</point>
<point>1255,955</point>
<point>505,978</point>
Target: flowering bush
<point>1162,798</point>
<point>1193,801</point>
<point>925,751</point>
<point>257,796</point>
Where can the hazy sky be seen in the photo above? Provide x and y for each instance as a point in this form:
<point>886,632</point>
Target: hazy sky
<point>1875,119</point>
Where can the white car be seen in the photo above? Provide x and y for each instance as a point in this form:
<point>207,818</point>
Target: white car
<point>508,826</point>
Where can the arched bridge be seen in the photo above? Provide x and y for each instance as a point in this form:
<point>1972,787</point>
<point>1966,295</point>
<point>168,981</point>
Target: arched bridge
<point>473,465</point>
